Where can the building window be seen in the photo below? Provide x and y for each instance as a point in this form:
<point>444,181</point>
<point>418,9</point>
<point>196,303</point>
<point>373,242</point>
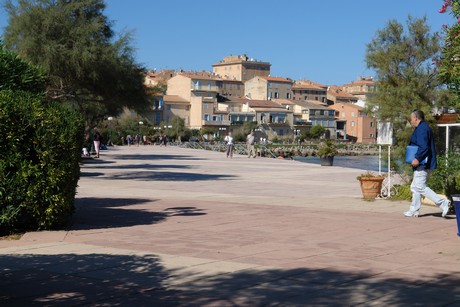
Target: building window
<point>371,135</point>
<point>371,124</point>
<point>288,95</point>
<point>352,114</point>
<point>343,114</point>
<point>352,123</point>
<point>306,98</point>
<point>276,95</point>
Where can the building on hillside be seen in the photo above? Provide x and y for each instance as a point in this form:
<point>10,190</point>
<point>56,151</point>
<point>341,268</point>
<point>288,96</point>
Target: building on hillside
<point>153,78</point>
<point>360,89</point>
<point>273,119</point>
<point>306,90</point>
<point>174,105</point>
<point>200,89</point>
<point>240,68</point>
<point>266,88</point>
<point>355,125</point>
<point>155,114</point>
<point>232,88</point>
<point>336,94</point>
<point>311,113</point>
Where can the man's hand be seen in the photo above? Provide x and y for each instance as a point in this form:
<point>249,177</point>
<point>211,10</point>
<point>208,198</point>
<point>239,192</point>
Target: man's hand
<point>415,163</point>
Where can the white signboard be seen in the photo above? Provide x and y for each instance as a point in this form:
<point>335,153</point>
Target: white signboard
<point>384,133</point>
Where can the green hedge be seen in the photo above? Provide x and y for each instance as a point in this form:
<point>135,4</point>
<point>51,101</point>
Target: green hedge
<point>40,151</point>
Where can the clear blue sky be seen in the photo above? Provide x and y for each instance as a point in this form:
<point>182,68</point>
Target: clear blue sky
<point>323,41</point>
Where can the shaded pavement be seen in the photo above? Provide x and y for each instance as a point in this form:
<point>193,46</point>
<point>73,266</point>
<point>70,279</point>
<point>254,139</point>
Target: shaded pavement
<point>167,226</point>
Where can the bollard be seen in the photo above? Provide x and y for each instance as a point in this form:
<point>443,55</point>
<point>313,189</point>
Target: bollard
<point>456,199</point>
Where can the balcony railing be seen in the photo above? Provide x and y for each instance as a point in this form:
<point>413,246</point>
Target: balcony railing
<point>215,122</point>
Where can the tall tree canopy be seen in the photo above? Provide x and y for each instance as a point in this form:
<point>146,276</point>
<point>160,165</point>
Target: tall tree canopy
<point>404,62</point>
<point>449,65</point>
<point>74,43</point>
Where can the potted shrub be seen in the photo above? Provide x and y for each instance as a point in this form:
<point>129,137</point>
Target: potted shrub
<point>371,184</point>
<point>326,152</point>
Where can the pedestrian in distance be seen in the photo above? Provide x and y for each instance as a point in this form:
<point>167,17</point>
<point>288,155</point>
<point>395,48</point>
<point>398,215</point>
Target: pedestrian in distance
<point>250,144</point>
<point>97,142</point>
<point>423,163</point>
<point>229,140</point>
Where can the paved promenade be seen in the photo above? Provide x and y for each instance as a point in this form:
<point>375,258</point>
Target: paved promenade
<point>167,226</point>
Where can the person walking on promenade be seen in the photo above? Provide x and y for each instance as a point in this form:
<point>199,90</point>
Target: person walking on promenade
<point>423,138</point>
<point>250,144</point>
<point>229,140</point>
<point>97,142</point>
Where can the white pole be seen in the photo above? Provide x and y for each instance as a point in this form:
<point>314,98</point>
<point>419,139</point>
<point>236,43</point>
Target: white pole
<point>380,159</point>
<point>447,140</point>
<point>389,172</point>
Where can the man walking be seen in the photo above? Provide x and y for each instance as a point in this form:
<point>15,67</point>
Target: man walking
<point>250,144</point>
<point>229,140</point>
<point>422,137</point>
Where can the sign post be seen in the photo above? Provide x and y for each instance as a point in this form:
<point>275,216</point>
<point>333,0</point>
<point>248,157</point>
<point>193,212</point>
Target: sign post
<point>385,137</point>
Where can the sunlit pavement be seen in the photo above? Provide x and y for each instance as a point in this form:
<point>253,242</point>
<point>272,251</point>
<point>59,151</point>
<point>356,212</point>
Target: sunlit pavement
<point>167,226</point>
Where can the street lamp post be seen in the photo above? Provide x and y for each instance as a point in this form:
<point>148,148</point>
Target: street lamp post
<point>109,143</point>
<point>140,132</point>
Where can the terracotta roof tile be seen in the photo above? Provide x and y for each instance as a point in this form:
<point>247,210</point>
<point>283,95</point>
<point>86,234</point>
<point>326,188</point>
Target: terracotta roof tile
<point>277,79</point>
<point>175,99</point>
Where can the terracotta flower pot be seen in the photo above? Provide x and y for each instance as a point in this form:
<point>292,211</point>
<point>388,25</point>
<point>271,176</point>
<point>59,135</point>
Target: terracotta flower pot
<point>371,186</point>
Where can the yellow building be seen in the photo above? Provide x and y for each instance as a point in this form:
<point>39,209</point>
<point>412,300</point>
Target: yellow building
<point>240,68</point>
<point>360,88</point>
<point>200,90</point>
<point>307,90</point>
<point>266,88</point>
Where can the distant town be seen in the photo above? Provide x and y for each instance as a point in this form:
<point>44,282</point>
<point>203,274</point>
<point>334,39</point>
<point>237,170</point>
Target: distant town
<point>240,89</point>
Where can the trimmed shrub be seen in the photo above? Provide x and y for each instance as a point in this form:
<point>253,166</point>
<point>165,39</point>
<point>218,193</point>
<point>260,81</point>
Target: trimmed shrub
<point>40,151</point>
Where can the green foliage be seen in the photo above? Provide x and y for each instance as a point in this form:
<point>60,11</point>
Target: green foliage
<point>19,75</point>
<point>239,136</point>
<point>208,131</point>
<point>446,178</point>
<point>316,132</point>
<point>327,148</point>
<point>403,192</point>
<point>74,43</point>
<point>368,174</point>
<point>449,64</point>
<point>403,61</point>
<point>39,162</point>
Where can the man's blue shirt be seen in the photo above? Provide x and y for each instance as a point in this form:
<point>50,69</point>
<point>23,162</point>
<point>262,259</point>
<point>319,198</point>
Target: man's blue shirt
<point>424,139</point>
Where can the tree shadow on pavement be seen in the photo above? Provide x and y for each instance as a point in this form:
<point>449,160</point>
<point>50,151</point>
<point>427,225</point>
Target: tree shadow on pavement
<point>131,280</point>
<point>100,213</point>
<point>156,157</point>
<point>97,213</point>
<point>167,176</point>
<point>142,166</point>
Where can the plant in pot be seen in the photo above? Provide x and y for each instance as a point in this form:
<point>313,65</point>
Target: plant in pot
<point>371,184</point>
<point>326,152</point>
